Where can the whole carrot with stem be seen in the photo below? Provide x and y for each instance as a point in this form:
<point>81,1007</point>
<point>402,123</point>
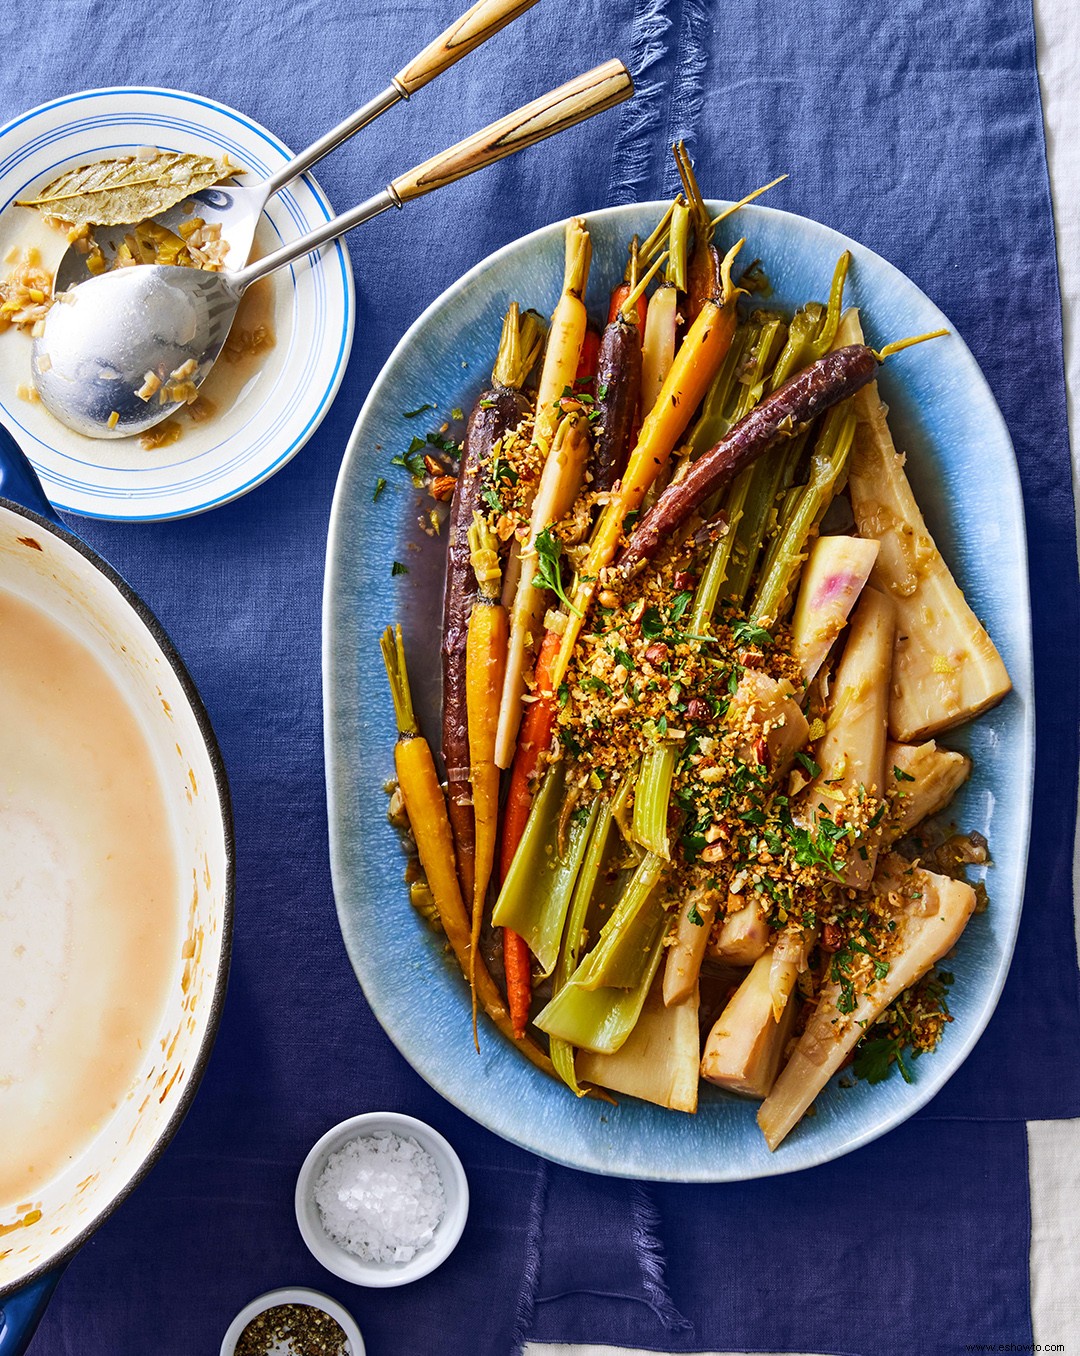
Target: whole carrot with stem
<point>534,740</point>
<point>569,326</point>
<point>696,363</point>
<point>418,782</point>
<point>485,661</point>
<point>560,482</point>
<point>498,410</point>
<point>618,385</point>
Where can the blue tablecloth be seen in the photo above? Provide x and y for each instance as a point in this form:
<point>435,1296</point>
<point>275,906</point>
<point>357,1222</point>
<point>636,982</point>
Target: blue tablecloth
<point>915,128</point>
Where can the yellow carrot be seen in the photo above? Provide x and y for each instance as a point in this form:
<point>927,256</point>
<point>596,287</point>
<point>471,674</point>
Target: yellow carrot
<point>696,363</point>
<point>568,324</point>
<point>560,482</point>
<point>426,808</point>
<point>485,660</point>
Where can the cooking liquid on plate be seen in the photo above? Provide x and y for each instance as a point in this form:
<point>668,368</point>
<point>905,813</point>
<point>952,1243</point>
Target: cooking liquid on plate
<point>89,923</point>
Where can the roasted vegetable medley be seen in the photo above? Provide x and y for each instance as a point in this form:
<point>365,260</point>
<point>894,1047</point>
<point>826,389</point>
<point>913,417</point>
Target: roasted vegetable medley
<point>698,644</point>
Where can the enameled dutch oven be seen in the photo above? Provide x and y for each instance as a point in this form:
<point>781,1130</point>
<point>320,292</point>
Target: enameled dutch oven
<point>45,564</point>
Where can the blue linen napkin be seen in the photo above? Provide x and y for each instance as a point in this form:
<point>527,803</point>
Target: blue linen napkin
<point>915,129</point>
<point>917,1244</point>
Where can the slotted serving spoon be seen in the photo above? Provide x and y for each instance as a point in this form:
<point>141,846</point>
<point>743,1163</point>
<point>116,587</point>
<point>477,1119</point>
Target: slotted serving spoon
<point>103,339</point>
<point>236,209</point>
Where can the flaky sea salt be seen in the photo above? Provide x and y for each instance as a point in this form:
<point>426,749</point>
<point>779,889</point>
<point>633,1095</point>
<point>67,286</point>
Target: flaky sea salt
<point>381,1197</point>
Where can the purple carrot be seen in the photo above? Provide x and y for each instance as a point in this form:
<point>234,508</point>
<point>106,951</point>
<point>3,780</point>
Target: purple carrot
<point>797,402</point>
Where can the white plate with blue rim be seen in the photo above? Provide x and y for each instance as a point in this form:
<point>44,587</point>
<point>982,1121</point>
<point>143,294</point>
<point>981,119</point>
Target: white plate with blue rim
<point>964,474</point>
<point>266,405</point>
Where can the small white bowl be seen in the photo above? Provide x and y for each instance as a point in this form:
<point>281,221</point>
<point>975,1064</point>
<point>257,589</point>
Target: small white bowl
<point>293,1295</point>
<point>346,1264</point>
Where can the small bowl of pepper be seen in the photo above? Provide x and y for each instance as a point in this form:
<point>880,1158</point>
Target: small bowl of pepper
<point>300,1322</point>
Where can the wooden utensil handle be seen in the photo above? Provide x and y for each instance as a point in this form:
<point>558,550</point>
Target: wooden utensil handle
<point>475,26</point>
<point>571,103</point>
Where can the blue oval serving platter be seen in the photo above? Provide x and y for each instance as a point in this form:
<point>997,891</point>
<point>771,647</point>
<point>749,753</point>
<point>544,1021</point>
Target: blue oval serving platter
<point>964,473</point>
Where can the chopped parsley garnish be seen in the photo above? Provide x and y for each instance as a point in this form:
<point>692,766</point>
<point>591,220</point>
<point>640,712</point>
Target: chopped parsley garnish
<point>875,1058</point>
<point>901,775</point>
<point>420,409</point>
<point>549,551</point>
<point>746,633</point>
<point>412,459</point>
<point>398,568</point>
<point>380,485</point>
<point>457,414</point>
<point>692,916</point>
<point>808,763</point>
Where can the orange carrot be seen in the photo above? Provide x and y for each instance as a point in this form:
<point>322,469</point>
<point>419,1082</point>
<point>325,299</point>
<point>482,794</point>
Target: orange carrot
<point>696,363</point>
<point>618,301</point>
<point>585,378</point>
<point>426,807</point>
<point>534,739</point>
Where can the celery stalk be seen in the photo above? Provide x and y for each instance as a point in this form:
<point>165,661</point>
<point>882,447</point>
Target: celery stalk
<point>715,418</point>
<point>827,468</point>
<point>651,799</point>
<point>562,1052</point>
<point>601,1019</point>
<point>617,959</point>
<point>536,893</point>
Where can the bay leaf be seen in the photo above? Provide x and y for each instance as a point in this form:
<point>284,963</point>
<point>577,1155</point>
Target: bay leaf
<point>126,190</point>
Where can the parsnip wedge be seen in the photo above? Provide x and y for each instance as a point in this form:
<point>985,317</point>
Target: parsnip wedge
<point>931,912</point>
<point>946,668</point>
<point>832,579</point>
<point>851,753</point>
<point>682,963</point>
<point>743,935</point>
<point>658,1061</point>
<point>744,1047</point>
<point>935,777</point>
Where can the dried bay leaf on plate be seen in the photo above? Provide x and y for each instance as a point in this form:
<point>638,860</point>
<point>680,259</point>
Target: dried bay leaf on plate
<point>122,191</point>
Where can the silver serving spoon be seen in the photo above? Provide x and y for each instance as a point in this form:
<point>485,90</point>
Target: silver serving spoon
<point>120,352</point>
<point>237,209</point>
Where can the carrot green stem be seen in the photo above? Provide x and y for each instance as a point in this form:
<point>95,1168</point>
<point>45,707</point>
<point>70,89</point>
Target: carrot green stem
<point>899,345</point>
<point>393,652</point>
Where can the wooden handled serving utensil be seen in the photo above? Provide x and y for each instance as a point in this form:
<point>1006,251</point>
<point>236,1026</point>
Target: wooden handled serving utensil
<point>102,338</point>
<point>236,208</point>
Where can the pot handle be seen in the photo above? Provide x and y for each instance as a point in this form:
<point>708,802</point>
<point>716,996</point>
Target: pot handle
<point>21,1313</point>
<point>19,483</point>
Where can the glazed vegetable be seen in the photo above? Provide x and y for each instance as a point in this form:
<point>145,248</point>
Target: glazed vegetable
<point>534,740</point>
<point>569,323</point>
<point>596,858</point>
<point>621,294</point>
<point>930,913</point>
<point>835,572</point>
<point>535,895</point>
<point>484,663</point>
<point>800,399</point>
<point>618,386</point>
<point>497,411</point>
<point>923,779</point>
<point>687,950</point>
<point>560,482</point>
<point>946,667</point>
<point>851,752</point>
<point>745,1045</point>
<point>426,809</point>
<point>701,353</point>
<point>601,1002</point>
<point>658,1061</point>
